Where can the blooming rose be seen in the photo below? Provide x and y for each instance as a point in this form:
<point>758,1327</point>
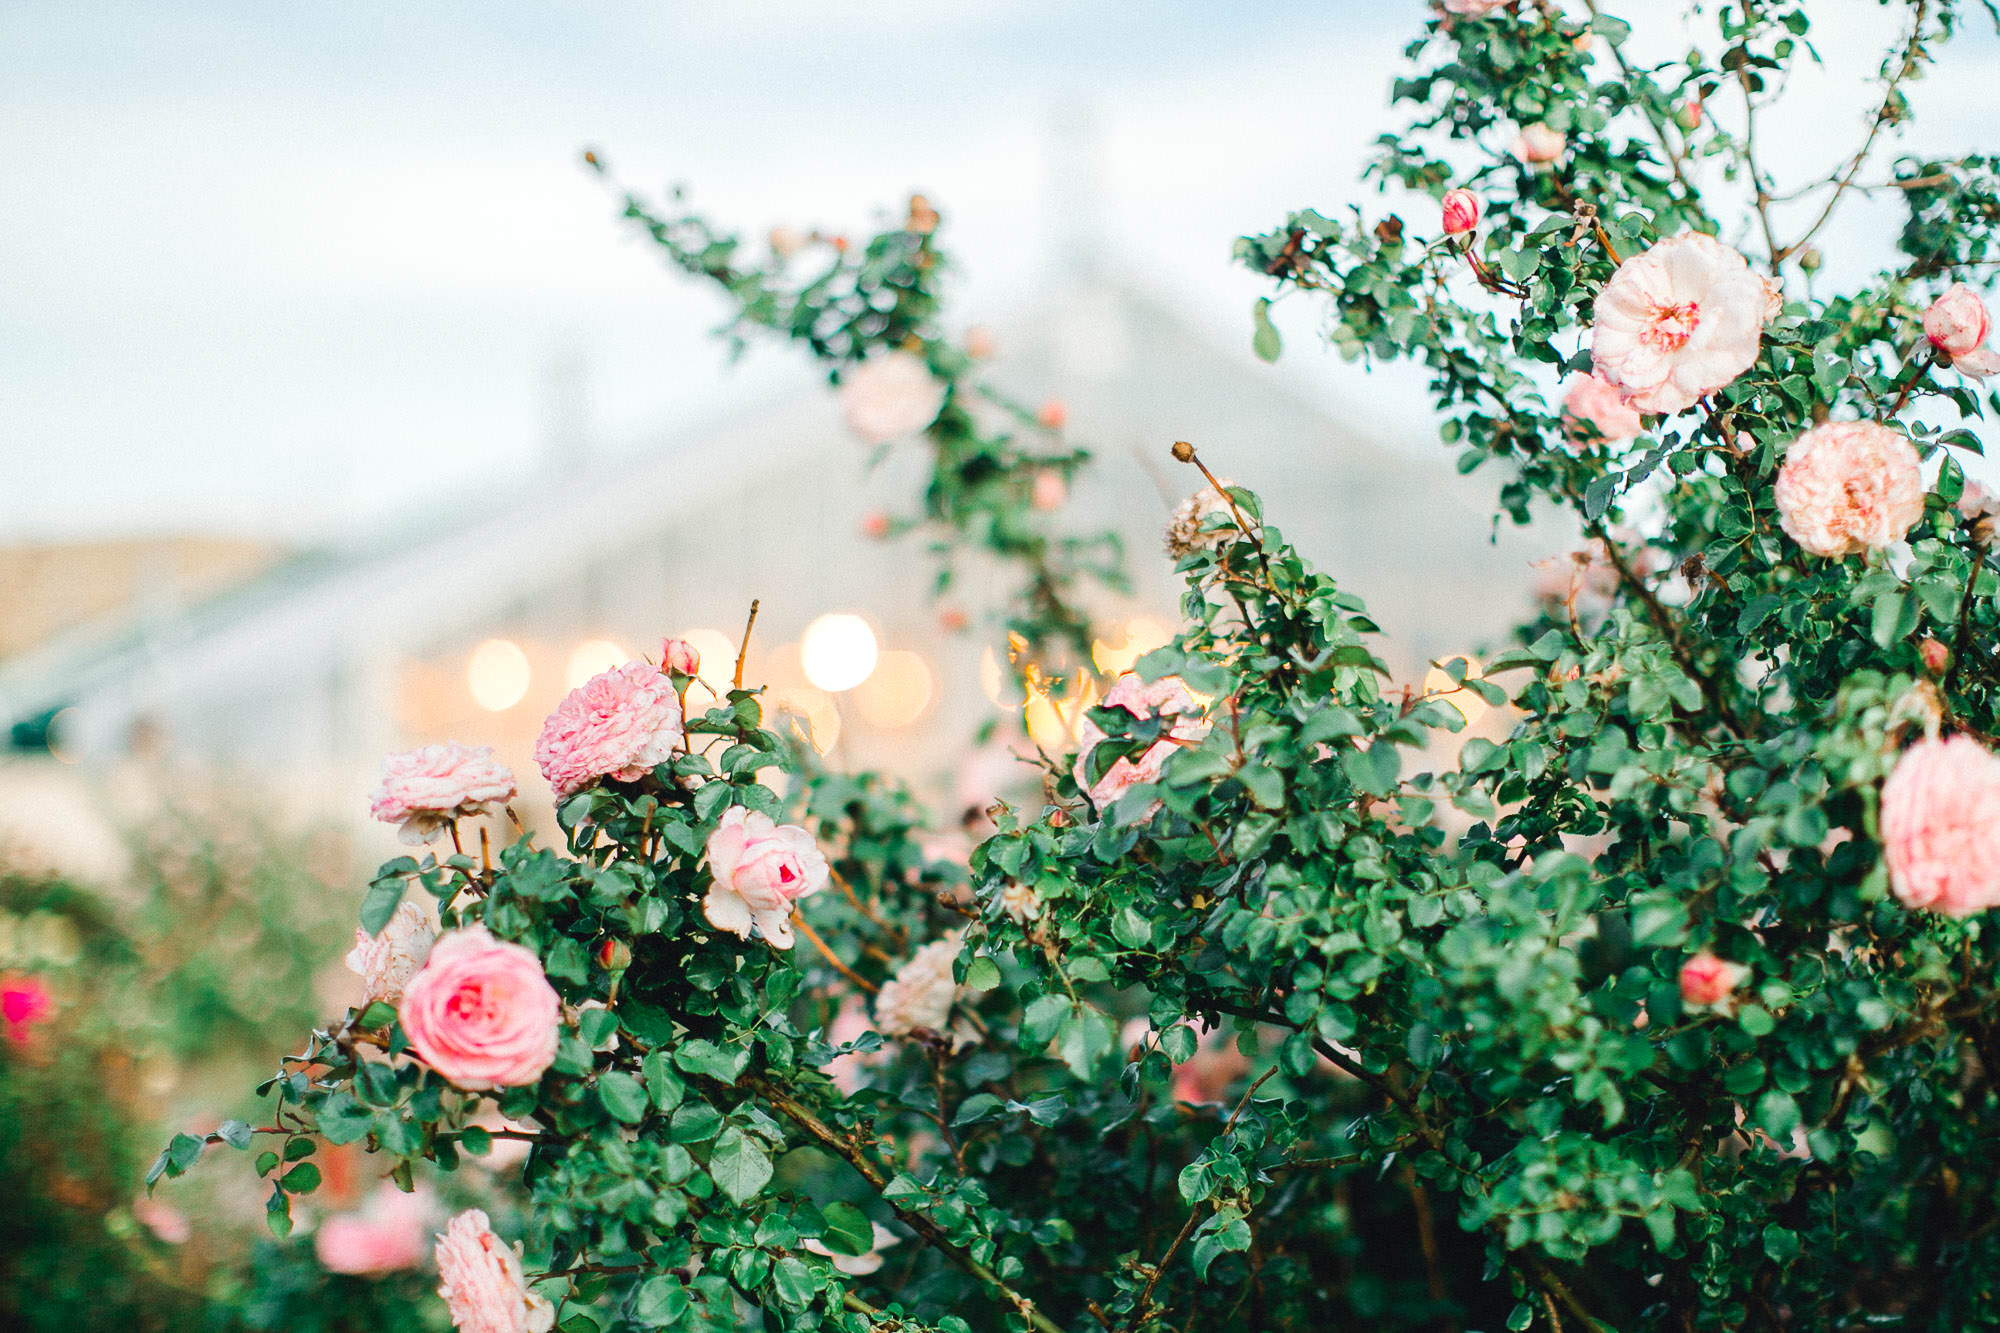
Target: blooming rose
<point>1708,980</point>
<point>483,1282</point>
<point>890,397</point>
<point>1461,212</point>
<point>386,962</point>
<point>25,1003</point>
<point>1594,409</point>
<point>1165,697</point>
<point>859,1265</point>
<point>1538,144</point>
<point>425,790</point>
<point>1941,826</point>
<point>482,1013</point>
<point>1679,321</point>
<point>1849,486</point>
<point>1957,324</point>
<point>1472,8</point>
<point>761,869</point>
<point>385,1235</point>
<point>921,993</point>
<point>618,724</point>
<point>679,655</point>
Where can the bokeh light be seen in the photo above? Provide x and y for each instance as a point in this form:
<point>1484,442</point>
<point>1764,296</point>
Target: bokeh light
<point>590,657</point>
<point>498,675</point>
<point>838,651</point>
<point>898,693</point>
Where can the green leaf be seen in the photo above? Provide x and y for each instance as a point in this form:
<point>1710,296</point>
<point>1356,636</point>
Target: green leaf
<point>705,1057</point>
<point>234,1133</point>
<point>622,1095</point>
<point>1895,617</point>
<point>660,1302</point>
<point>981,973</point>
<point>739,1166</point>
<point>184,1151</point>
<point>848,1230</point>
<point>278,1213</point>
<point>380,904</point>
<point>1264,339</point>
<point>301,1179</point>
<point>1085,1040</point>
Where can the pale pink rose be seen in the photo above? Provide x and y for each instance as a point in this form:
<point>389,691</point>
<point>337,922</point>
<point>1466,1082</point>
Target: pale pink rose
<point>1538,145</point>
<point>1166,697</point>
<point>25,1004</point>
<point>483,1281</point>
<point>787,241</point>
<point>167,1223</point>
<point>1053,414</point>
<point>1461,212</point>
<point>859,1265</point>
<point>1473,8</point>
<point>1849,486</point>
<point>385,1235</point>
<point>1941,827</point>
<point>1594,410</point>
<point>1957,324</point>
<point>1707,980</point>
<point>890,397</point>
<point>425,790</point>
<point>618,724</point>
<point>679,655</point>
<point>386,962</point>
<point>1050,490</point>
<point>920,995</point>
<point>481,1012</point>
<point>761,870</point>
<point>1679,321</point>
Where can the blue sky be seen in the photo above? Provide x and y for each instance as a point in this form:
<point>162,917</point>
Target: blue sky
<point>279,267</point>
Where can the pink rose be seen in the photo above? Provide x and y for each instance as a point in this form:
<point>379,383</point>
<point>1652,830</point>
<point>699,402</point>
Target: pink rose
<point>919,997</point>
<point>25,1004</point>
<point>980,342</point>
<point>1679,321</point>
<point>1707,980</point>
<point>1941,827</point>
<point>1461,212</point>
<point>679,655</point>
<point>1935,655</point>
<point>875,524</point>
<point>482,1013</point>
<point>786,241</point>
<point>890,397</point>
<point>1538,145</point>
<point>483,1281</point>
<point>1849,486</point>
<point>385,1235</point>
<point>1472,8</point>
<point>760,870</point>
<point>1957,324</point>
<point>168,1224</point>
<point>1165,697</point>
<point>426,790</point>
<point>618,724</point>
<point>1049,490</point>
<point>1594,410</point>
<point>1053,415</point>
<point>386,962</point>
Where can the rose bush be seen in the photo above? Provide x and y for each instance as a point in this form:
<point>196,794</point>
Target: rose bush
<point>1663,999</point>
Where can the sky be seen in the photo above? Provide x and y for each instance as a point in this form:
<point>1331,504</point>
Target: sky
<point>288,270</point>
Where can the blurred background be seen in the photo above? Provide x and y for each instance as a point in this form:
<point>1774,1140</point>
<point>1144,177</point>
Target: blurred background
<point>339,414</point>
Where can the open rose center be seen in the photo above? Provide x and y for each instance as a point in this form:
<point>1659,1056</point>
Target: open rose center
<point>475,1005</point>
<point>1670,326</point>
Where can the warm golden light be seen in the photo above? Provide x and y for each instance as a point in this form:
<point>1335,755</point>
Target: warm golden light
<point>809,714</point>
<point>838,652</point>
<point>998,683</point>
<point>1053,720</point>
<point>1438,685</point>
<point>592,656</point>
<point>1142,636</point>
<point>62,745</point>
<point>497,675</point>
<point>898,692</point>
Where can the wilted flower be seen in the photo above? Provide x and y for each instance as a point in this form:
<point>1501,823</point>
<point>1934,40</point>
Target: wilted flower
<point>1849,486</point>
<point>425,790</point>
<point>1020,902</point>
<point>919,997</point>
<point>1681,320</point>
<point>890,397</point>
<point>1190,528</point>
<point>618,724</point>
<point>483,1281</point>
<point>386,962</point>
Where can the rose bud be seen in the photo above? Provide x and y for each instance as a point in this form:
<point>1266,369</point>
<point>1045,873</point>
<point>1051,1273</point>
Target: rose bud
<point>1936,656</point>
<point>1707,980</point>
<point>1053,415</point>
<point>1461,212</point>
<point>614,955</point>
<point>875,524</point>
<point>680,656</point>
